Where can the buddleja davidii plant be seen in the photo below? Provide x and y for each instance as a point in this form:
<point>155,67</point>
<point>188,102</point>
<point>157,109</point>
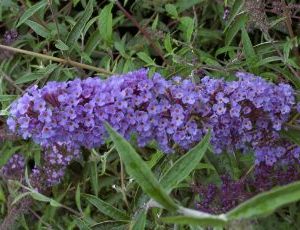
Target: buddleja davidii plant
<point>159,189</point>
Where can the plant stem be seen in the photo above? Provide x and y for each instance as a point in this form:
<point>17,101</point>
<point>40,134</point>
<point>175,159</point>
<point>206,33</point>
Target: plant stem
<point>288,22</point>
<point>7,78</point>
<point>56,59</point>
<point>141,29</point>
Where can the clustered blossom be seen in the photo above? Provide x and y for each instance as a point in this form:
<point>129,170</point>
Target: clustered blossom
<point>221,198</point>
<point>14,168</point>
<point>242,114</point>
<point>74,111</point>
<point>10,36</point>
<point>54,162</point>
<point>248,112</point>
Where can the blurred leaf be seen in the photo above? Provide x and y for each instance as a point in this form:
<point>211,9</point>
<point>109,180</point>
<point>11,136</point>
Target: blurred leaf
<point>292,134</point>
<point>155,159</point>
<point>8,97</point>
<point>225,49</point>
<point>106,208</point>
<point>235,27</point>
<point>184,165</point>
<point>38,29</point>
<point>61,45</point>
<point>140,222</point>
<point>267,60</point>
<point>82,224</point>
<point>94,177</point>
<point>171,10</point>
<point>234,12</point>
<point>168,44</point>
<point>41,73</point>
<point>77,198</point>
<point>187,27</point>
<point>267,202</point>
<point>77,29</point>
<point>194,217</point>
<point>145,57</point>
<point>247,44</point>
<point>105,23</point>
<point>92,42</point>
<point>185,5</point>
<point>140,171</point>
<point>31,11</point>
<point>155,22</point>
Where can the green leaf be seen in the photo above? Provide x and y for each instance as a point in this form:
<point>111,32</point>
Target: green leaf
<point>20,197</point>
<point>292,134</point>
<point>31,11</point>
<point>92,42</point>
<point>82,224</point>
<point>61,45</point>
<point>155,159</point>
<point>268,60</point>
<point>140,222</point>
<point>145,57</point>
<point>105,23</point>
<point>184,4</point>
<point>77,198</point>
<point>187,27</point>
<point>38,29</point>
<point>140,171</point>
<point>168,44</point>
<point>184,165</point>
<point>194,217</point>
<point>155,22</point>
<point>171,10</point>
<point>106,208</point>
<point>193,221</point>
<point>267,202</point>
<point>40,197</point>
<point>41,73</point>
<point>247,45</point>
<point>94,177</point>
<point>54,203</point>
<point>8,97</point>
<point>237,24</point>
<point>234,12</point>
<point>77,29</point>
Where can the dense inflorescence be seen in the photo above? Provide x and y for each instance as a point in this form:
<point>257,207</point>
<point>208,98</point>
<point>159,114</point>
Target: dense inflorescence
<point>242,114</point>
<point>74,111</point>
<point>15,167</point>
<point>54,163</point>
<point>10,36</point>
<point>221,198</point>
<point>247,113</point>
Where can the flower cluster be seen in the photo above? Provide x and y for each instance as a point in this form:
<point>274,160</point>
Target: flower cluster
<point>221,198</point>
<point>247,113</point>
<point>242,114</point>
<point>10,36</point>
<point>54,162</point>
<point>15,167</point>
<point>154,109</point>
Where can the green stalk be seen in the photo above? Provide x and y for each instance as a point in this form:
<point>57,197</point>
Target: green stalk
<point>56,59</point>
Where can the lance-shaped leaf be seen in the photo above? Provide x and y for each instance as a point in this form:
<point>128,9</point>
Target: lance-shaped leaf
<point>140,171</point>
<point>77,29</point>
<point>184,165</point>
<point>193,217</point>
<point>106,208</point>
<point>266,202</point>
